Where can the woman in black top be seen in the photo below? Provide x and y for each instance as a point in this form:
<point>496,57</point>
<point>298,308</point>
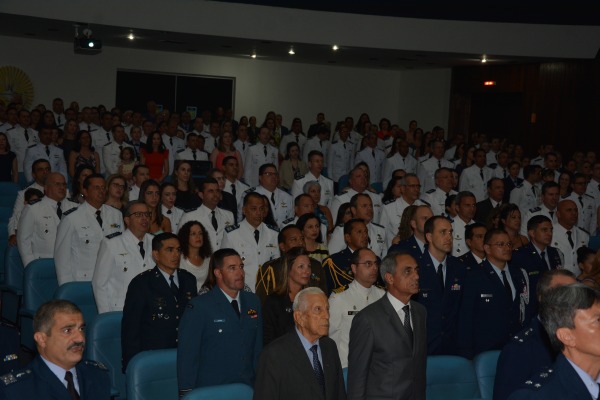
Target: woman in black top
<point>187,197</point>
<point>9,171</point>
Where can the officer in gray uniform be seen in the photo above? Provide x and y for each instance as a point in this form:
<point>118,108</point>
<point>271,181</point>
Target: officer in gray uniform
<point>47,151</point>
<point>260,153</point>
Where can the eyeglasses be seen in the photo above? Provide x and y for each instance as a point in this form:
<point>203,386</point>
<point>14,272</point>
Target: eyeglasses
<point>369,264</point>
<point>115,184</point>
<point>140,214</point>
<point>271,173</point>
<point>502,244</point>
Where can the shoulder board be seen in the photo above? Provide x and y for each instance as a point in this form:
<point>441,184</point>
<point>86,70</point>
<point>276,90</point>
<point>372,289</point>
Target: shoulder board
<point>112,235</point>
<point>108,144</point>
<point>276,229</point>
<point>34,201</point>
<point>340,289</point>
<point>231,228</point>
<point>344,191</point>
<point>390,201</point>
<point>535,209</point>
<point>95,364</point>
<point>14,377</point>
<point>566,196</point>
<point>334,142</point>
<point>522,336</point>
<point>520,185</point>
<point>288,221</point>
<point>10,129</point>
<point>180,151</point>
<point>581,229</point>
<point>425,202</point>
<point>430,191</point>
<point>381,226</point>
<point>69,211</point>
<point>300,177</point>
<point>537,380</point>
<point>591,197</point>
<point>252,189</point>
<point>33,145</point>
<point>189,210</point>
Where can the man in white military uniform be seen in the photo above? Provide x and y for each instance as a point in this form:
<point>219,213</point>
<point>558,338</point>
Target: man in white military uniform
<point>373,157</point>
<point>38,224</point>
<point>141,174</point>
<point>586,204</point>
<point>102,136</point>
<point>362,208</point>
<point>475,178</point>
<point>231,170</point>
<point>320,142</point>
<point>255,241</point>
<point>550,198</point>
<point>358,184</point>
<point>214,219</point>
<point>527,195</point>
<point>341,158</point>
<point>122,257</point>
<point>20,137</point>
<point>304,204</point>
<point>173,144</point>
<point>58,109</point>
<point>295,136</point>
<point>192,152</point>
<point>426,169</point>
<point>211,136</point>
<point>436,198</point>
<point>111,152</point>
<point>400,160</point>
<point>167,205</point>
<point>281,201</point>
<point>82,229</point>
<point>347,301</point>
<point>315,167</point>
<point>46,150</point>
<point>393,209</point>
<point>465,207</point>
<point>566,236</point>
<point>86,123</point>
<point>242,144</point>
<point>259,154</point>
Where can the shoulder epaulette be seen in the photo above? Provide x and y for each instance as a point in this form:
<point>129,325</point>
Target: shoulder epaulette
<point>583,230</point>
<point>381,226</point>
<point>14,377</point>
<point>179,151</point>
<point>33,145</point>
<point>566,196</point>
<point>34,201</point>
<point>69,211</point>
<point>189,210</point>
<point>523,336</point>
<point>425,202</point>
<point>288,221</point>
<point>112,235</point>
<point>430,191</point>
<point>585,194</point>
<point>252,189</point>
<point>231,228</point>
<point>389,201</point>
<point>107,144</point>
<point>95,364</point>
<point>535,209</point>
<point>519,185</point>
<point>334,142</point>
<point>300,177</point>
<point>340,289</point>
<point>276,229</point>
<point>538,379</point>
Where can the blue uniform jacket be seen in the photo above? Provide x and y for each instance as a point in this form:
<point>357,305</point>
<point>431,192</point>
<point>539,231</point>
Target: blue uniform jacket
<point>36,381</point>
<point>560,382</point>
<point>442,304</point>
<point>469,261</point>
<point>488,317</point>
<point>410,245</point>
<point>215,346</point>
<point>530,260</point>
<point>337,270</point>
<point>527,353</point>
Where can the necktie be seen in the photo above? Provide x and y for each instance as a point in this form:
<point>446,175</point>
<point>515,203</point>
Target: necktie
<point>321,146</point>
<point>373,153</point>
<point>552,215</point>
<point>99,218</point>
<point>194,154</point>
<point>581,200</point>
<point>142,251</point>
<point>481,174</point>
<point>543,255</point>
<point>406,322</point>
<point>504,173</point>
<point>173,286</point>
<point>169,212</point>
<point>236,307</point>
<point>297,140</point>
<point>256,235</point>
<point>26,135</point>
<point>121,147</point>
<point>447,194</point>
<point>213,220</point>
<point>243,146</point>
<point>570,239</point>
<point>233,190</point>
<point>171,141</point>
<point>440,274</point>
<point>47,151</point>
<point>439,164</point>
<point>108,136</point>
<point>344,145</point>
<point>533,190</point>
<point>265,150</point>
<point>507,286</point>
<point>273,198</point>
<point>317,368</point>
<point>89,128</point>
<point>71,386</point>
<point>59,121</point>
<point>58,210</point>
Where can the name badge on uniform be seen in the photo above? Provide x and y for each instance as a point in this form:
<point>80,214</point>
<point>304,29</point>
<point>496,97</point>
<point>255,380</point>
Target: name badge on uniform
<point>487,297</point>
<point>456,286</point>
<point>219,320</point>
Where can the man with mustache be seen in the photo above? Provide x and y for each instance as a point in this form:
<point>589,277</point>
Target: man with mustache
<point>58,372</point>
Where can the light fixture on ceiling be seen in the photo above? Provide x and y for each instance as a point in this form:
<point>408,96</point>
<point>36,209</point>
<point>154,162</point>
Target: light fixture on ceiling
<point>484,58</point>
<point>131,36</point>
<point>335,47</point>
<point>253,55</point>
<point>291,52</point>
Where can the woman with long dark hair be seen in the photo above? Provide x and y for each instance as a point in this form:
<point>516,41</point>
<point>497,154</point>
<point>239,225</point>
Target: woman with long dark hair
<point>83,153</point>
<point>150,194</point>
<point>187,196</point>
<point>195,250</point>
<point>156,156</point>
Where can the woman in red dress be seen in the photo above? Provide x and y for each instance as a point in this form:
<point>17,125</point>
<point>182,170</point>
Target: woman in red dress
<point>156,156</point>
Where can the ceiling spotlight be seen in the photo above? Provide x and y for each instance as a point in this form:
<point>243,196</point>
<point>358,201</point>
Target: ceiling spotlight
<point>253,55</point>
<point>291,52</point>
<point>335,47</point>
<point>130,36</point>
<point>484,59</point>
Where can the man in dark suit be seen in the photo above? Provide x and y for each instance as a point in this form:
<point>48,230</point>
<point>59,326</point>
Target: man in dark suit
<point>495,300</point>
<point>570,316</point>
<point>474,235</point>
<point>57,372</point>
<point>155,301</point>
<point>220,335</point>
<point>537,256</point>
<point>304,363</point>
<point>388,345</point>
<point>495,190</point>
<point>415,244</point>
<point>441,279</point>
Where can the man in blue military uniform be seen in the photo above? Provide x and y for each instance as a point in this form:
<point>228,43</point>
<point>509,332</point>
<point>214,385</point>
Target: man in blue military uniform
<point>220,336</point>
<point>495,299</point>
<point>529,351</point>
<point>156,300</point>
<point>474,235</point>
<point>338,266</point>
<point>58,372</point>
<point>441,279</point>
<point>570,316</point>
<point>537,256</point>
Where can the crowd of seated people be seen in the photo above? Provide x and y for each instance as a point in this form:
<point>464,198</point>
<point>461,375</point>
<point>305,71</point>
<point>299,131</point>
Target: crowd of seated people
<point>119,201</point>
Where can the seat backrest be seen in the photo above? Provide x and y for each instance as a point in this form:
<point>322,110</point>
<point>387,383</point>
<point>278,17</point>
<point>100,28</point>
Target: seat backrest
<point>451,377</point>
<point>104,345</point>
<point>5,213</point>
<point>152,374</point>
<point>13,269</point>
<point>39,284</point>
<point>485,368</point>
<point>82,294</point>
<point>3,246</point>
<point>9,188</point>
<point>232,391</point>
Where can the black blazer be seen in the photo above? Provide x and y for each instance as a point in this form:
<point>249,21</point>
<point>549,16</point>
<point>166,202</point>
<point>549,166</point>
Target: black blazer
<point>286,372</point>
<point>484,209</point>
<point>278,317</point>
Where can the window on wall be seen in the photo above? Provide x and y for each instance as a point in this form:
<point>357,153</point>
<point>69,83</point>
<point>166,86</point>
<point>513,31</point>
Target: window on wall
<point>174,92</point>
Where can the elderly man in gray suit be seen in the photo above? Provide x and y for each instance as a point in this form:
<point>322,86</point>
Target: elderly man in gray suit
<point>388,340</point>
<point>304,363</point>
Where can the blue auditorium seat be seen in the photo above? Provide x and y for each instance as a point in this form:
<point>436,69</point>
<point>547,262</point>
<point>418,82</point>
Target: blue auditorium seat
<point>233,391</point>
<point>152,375</point>
<point>485,368</point>
<point>451,378</point>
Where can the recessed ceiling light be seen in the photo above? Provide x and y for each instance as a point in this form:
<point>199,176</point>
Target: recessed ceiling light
<point>335,47</point>
<point>484,59</point>
<point>130,36</point>
<point>291,52</point>
<point>253,55</point>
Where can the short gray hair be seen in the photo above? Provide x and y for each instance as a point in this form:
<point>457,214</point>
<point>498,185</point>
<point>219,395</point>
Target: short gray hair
<point>388,265</point>
<point>310,184</point>
<point>559,305</point>
<point>300,300</point>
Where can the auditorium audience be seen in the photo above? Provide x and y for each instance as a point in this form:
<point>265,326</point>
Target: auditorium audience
<point>150,194</point>
<point>195,250</point>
